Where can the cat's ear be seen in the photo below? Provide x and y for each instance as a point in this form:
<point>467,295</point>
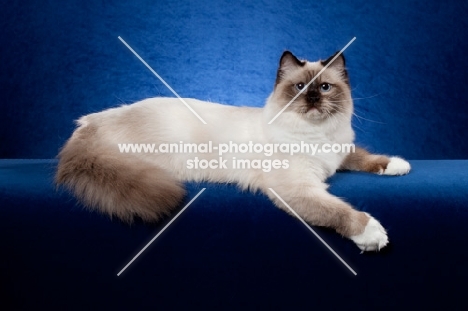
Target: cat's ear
<point>339,64</point>
<point>288,63</point>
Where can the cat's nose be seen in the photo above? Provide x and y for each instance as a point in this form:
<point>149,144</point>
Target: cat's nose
<point>313,97</point>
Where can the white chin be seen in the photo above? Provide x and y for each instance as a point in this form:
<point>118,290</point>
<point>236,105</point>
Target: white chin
<point>314,114</point>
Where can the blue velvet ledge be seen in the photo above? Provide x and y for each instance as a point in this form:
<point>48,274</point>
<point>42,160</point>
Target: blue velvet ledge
<point>234,250</point>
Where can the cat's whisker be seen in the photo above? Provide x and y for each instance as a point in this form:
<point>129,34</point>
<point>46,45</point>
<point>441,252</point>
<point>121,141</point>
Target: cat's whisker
<point>372,96</point>
<point>336,95</point>
<point>121,100</point>
<point>339,101</point>
<point>335,120</point>
<point>331,117</point>
<point>357,127</point>
<point>359,119</point>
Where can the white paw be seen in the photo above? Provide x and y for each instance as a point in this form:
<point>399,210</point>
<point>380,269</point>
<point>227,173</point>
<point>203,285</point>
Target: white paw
<point>397,166</point>
<point>373,238</point>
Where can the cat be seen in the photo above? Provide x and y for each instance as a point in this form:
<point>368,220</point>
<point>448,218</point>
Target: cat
<point>150,185</point>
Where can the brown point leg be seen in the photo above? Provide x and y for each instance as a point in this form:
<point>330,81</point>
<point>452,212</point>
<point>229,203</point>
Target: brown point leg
<point>362,160</point>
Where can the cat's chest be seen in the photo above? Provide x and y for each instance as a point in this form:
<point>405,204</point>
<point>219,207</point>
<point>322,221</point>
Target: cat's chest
<point>327,151</point>
<point>341,136</point>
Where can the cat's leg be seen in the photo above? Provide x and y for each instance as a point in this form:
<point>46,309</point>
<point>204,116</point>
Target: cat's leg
<point>362,160</point>
<point>319,208</point>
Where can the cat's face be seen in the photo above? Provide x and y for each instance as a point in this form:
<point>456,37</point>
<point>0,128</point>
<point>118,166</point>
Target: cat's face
<point>328,96</point>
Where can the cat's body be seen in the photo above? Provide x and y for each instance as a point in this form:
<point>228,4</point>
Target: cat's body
<point>149,185</point>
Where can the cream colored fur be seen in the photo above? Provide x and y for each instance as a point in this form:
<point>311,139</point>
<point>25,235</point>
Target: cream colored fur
<point>167,120</point>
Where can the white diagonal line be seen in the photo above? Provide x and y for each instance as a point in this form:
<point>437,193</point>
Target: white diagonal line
<point>160,232</point>
<point>313,231</point>
<point>311,81</point>
<point>162,80</point>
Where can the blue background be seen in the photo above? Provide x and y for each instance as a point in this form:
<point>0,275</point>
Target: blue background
<point>62,59</point>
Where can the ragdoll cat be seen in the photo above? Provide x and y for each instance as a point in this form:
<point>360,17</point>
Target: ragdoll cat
<point>150,185</point>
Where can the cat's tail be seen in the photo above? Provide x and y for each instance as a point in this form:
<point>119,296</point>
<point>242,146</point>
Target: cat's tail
<point>114,183</point>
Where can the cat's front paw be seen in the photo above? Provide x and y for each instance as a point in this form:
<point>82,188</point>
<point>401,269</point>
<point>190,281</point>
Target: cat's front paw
<point>397,166</point>
<point>373,238</point>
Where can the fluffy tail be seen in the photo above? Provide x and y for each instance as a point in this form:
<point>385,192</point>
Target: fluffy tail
<point>114,183</point>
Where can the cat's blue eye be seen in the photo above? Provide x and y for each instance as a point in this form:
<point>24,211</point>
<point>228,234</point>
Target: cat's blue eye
<point>325,87</point>
<point>299,86</point>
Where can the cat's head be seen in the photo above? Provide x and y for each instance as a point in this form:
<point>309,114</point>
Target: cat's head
<point>328,96</point>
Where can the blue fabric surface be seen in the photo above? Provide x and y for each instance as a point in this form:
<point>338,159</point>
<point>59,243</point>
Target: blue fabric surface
<point>233,250</point>
<point>62,59</point>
